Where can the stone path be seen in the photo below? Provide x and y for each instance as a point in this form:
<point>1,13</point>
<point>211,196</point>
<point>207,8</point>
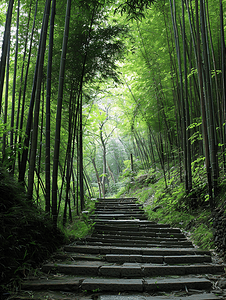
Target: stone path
<point>128,257</point>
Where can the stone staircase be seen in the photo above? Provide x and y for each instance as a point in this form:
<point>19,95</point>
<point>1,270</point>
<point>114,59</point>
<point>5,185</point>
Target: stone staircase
<point>128,257</point>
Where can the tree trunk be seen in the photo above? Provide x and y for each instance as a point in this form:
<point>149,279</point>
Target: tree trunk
<point>37,103</point>
<point>6,41</point>
<point>59,112</point>
<point>5,139</point>
<point>97,176</point>
<point>48,98</point>
<point>209,102</point>
<point>13,154</point>
<point>22,168</point>
<point>203,109</point>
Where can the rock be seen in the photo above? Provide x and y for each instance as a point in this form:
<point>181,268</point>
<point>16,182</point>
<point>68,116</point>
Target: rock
<point>222,283</point>
<point>156,208</point>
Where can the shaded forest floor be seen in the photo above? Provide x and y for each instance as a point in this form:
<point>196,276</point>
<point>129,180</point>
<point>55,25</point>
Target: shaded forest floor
<point>27,235</point>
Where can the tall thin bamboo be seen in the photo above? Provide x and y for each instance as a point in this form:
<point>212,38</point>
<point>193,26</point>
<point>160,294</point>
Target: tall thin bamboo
<point>223,79</point>
<point>209,102</point>
<point>19,106</point>
<point>59,112</point>
<point>187,112</point>
<point>24,159</point>
<point>48,98</point>
<point>37,99</point>
<point>181,97</point>
<point>6,40</point>
<point>12,131</point>
<point>203,109</point>
<point>5,140</point>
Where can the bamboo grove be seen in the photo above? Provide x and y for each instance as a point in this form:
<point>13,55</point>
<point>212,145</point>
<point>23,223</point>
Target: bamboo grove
<point>177,89</point>
<point>46,67</point>
<point>167,62</point>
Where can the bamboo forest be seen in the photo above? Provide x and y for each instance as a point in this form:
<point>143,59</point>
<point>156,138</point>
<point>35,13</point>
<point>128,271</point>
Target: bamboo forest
<point>96,94</point>
<point>83,86</point>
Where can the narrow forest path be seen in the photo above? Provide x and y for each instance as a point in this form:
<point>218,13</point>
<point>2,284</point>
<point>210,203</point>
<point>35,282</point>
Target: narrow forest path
<point>127,257</point>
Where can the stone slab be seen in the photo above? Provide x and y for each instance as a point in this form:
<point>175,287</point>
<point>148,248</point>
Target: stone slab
<point>204,296</point>
<point>130,233</point>
<point>187,259</point>
<point>113,271</point>
<point>134,250</point>
<point>126,250</point>
<point>150,270</point>
<point>137,238</point>
<point>119,210</point>
<point>130,269</point>
<point>137,222</point>
<point>114,285</point>
<point>134,258</point>
<point>170,284</point>
<point>129,244</point>
<point>62,285</point>
<point>173,251</point>
<point>83,249</point>
<point>77,269</point>
<point>201,269</point>
<point>123,258</point>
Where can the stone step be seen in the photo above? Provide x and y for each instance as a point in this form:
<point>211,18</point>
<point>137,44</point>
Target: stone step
<point>203,296</point>
<point>139,216</point>
<point>149,234</point>
<point>70,256</point>
<point>119,204</point>
<point>127,202</point>
<point>130,270</point>
<point>130,243</point>
<point>135,250</point>
<point>148,285</point>
<point>117,200</point>
<point>119,208</point>
<point>137,230</point>
<point>148,241</point>
<point>138,223</point>
<point>128,254</point>
<point>137,236</point>
<point>118,285</point>
<point>118,211</point>
<point>122,258</point>
<point>130,228</point>
<point>179,259</point>
<point>111,203</point>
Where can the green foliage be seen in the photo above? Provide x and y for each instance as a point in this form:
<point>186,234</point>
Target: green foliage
<point>79,228</point>
<point>135,9</point>
<point>27,234</point>
<point>81,225</point>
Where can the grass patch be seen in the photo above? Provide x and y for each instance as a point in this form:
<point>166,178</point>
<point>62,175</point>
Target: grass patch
<point>78,229</point>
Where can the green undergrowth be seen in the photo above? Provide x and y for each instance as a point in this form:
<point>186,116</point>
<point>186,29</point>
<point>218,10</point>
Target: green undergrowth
<point>27,234</point>
<point>79,228</point>
<point>166,202</point>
